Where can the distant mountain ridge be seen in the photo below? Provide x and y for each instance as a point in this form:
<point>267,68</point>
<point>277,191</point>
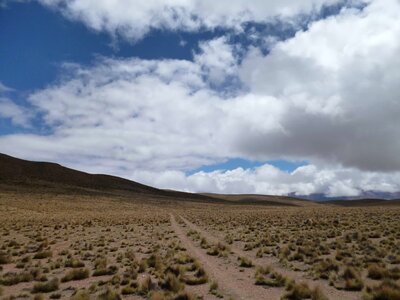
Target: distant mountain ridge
<point>364,195</point>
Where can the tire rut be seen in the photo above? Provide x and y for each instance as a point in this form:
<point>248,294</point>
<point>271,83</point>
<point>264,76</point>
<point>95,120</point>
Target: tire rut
<point>231,282</point>
<point>330,292</point>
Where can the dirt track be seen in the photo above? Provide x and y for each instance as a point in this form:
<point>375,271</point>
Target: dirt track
<point>247,288</point>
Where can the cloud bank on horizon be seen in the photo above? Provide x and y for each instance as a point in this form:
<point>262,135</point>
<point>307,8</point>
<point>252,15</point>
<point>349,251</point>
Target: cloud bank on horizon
<point>328,95</point>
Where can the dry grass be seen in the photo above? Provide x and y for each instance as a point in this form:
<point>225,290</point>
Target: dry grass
<point>58,246</point>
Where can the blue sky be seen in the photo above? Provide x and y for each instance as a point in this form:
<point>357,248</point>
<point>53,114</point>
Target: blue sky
<point>254,97</point>
<point>35,41</point>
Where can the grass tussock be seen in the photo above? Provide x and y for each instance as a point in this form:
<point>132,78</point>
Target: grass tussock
<point>46,287</point>
<point>245,262</point>
<point>75,274</point>
<point>387,290</point>
<point>268,277</point>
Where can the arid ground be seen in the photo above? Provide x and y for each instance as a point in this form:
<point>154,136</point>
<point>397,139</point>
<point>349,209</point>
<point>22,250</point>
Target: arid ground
<point>69,234</point>
<point>108,247</point>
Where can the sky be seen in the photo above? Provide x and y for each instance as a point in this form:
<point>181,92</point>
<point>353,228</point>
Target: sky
<point>270,97</point>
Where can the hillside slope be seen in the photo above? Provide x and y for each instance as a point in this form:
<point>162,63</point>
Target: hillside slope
<point>33,176</point>
<point>253,199</point>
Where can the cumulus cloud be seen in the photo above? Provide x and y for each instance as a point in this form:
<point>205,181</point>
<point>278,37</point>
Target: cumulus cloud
<point>133,19</point>
<point>17,114</point>
<point>329,95</point>
<point>142,114</point>
<point>218,59</point>
<point>267,179</point>
<point>339,82</point>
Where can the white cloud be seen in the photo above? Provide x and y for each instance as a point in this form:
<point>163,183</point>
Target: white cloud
<point>329,95</point>
<point>4,88</point>
<point>339,82</point>
<point>133,19</point>
<point>18,115</point>
<point>138,114</point>
<point>267,179</point>
<point>218,60</point>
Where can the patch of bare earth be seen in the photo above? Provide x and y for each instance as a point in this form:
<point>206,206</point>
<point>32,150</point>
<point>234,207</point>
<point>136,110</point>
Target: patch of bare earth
<point>329,291</point>
<point>233,281</point>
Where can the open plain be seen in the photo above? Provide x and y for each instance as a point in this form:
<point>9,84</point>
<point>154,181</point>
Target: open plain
<point>62,245</point>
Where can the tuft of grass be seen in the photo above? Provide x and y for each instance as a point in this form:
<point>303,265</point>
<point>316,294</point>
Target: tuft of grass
<point>387,290</point>
<point>109,294</point>
<point>377,272</point>
<point>245,262</point>
<point>219,249</point>
<point>172,283</point>
<point>350,280</point>
<point>128,290</point>
<point>46,287</point>
<point>268,277</point>
<point>297,291</point>
<point>81,295</point>
<point>185,295</point>
<point>145,285</point>
<point>73,263</point>
<point>75,274</point>
<point>43,254</point>
<point>317,294</point>
<point>101,268</point>
<point>214,290</point>
<point>5,258</point>
<point>199,277</point>
<point>15,278</point>
<point>353,280</point>
<point>324,268</point>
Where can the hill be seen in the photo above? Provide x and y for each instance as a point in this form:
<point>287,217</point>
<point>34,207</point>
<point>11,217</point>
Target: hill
<point>30,176</point>
<point>254,199</point>
<point>43,177</point>
<point>27,177</point>
<point>363,202</point>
